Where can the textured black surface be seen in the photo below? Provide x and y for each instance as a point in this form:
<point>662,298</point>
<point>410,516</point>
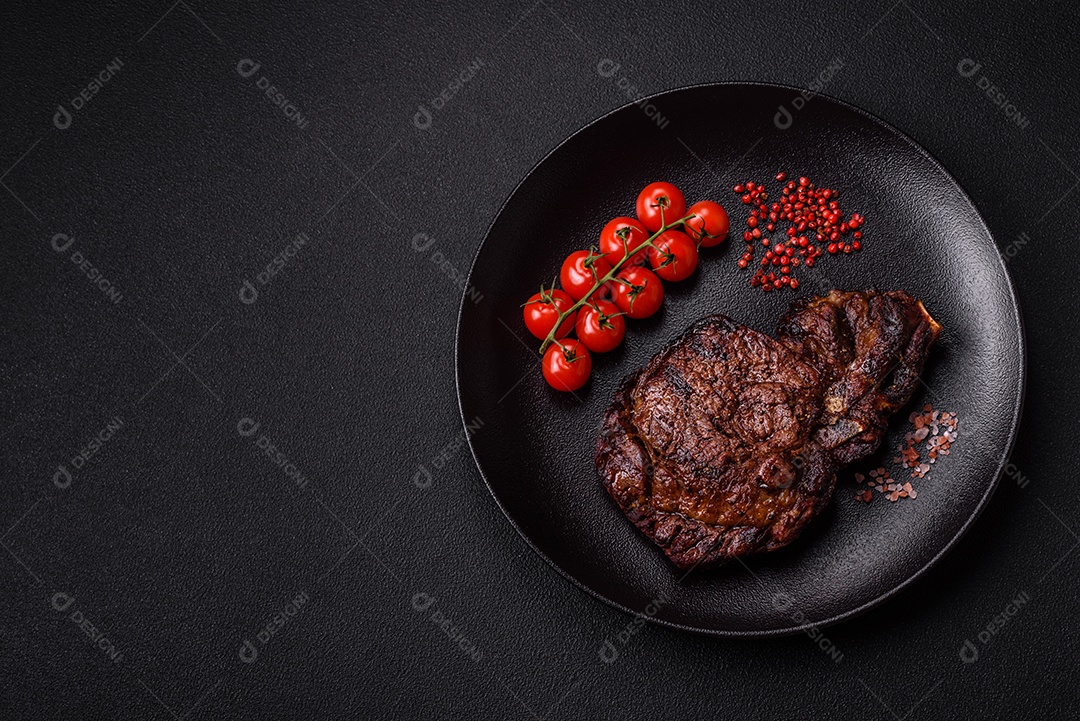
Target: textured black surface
<point>923,236</point>
<point>179,180</point>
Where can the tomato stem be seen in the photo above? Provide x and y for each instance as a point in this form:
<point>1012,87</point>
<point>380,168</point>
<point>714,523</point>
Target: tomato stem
<point>615,268</point>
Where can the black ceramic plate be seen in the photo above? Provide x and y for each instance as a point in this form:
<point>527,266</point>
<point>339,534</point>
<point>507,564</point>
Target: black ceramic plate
<point>535,446</point>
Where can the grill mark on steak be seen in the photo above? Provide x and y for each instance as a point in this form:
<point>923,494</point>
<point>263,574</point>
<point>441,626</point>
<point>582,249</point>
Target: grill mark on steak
<point>676,380</point>
<point>728,441</point>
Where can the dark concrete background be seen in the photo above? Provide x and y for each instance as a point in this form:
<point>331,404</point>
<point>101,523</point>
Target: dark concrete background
<point>133,582</point>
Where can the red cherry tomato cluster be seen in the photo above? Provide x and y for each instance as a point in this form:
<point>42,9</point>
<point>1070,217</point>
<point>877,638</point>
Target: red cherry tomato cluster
<point>601,288</point>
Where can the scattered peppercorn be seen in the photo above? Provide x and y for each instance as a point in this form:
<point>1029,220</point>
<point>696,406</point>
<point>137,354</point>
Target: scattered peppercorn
<point>811,214</point>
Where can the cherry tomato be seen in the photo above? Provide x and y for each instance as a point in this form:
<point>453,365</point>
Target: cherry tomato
<point>673,255</point>
<point>600,326</point>
<point>542,313</point>
<point>709,226</point>
<point>616,232</point>
<point>567,368</point>
<point>638,292</point>
<point>581,270</point>
<point>657,196</point>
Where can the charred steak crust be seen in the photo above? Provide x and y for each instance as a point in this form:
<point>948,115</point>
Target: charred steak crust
<point>728,441</point>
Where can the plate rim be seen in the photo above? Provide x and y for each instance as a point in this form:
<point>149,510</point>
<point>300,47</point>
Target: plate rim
<point>1018,409</point>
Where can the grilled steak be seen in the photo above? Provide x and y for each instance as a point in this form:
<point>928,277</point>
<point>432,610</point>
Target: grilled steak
<point>728,441</point>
